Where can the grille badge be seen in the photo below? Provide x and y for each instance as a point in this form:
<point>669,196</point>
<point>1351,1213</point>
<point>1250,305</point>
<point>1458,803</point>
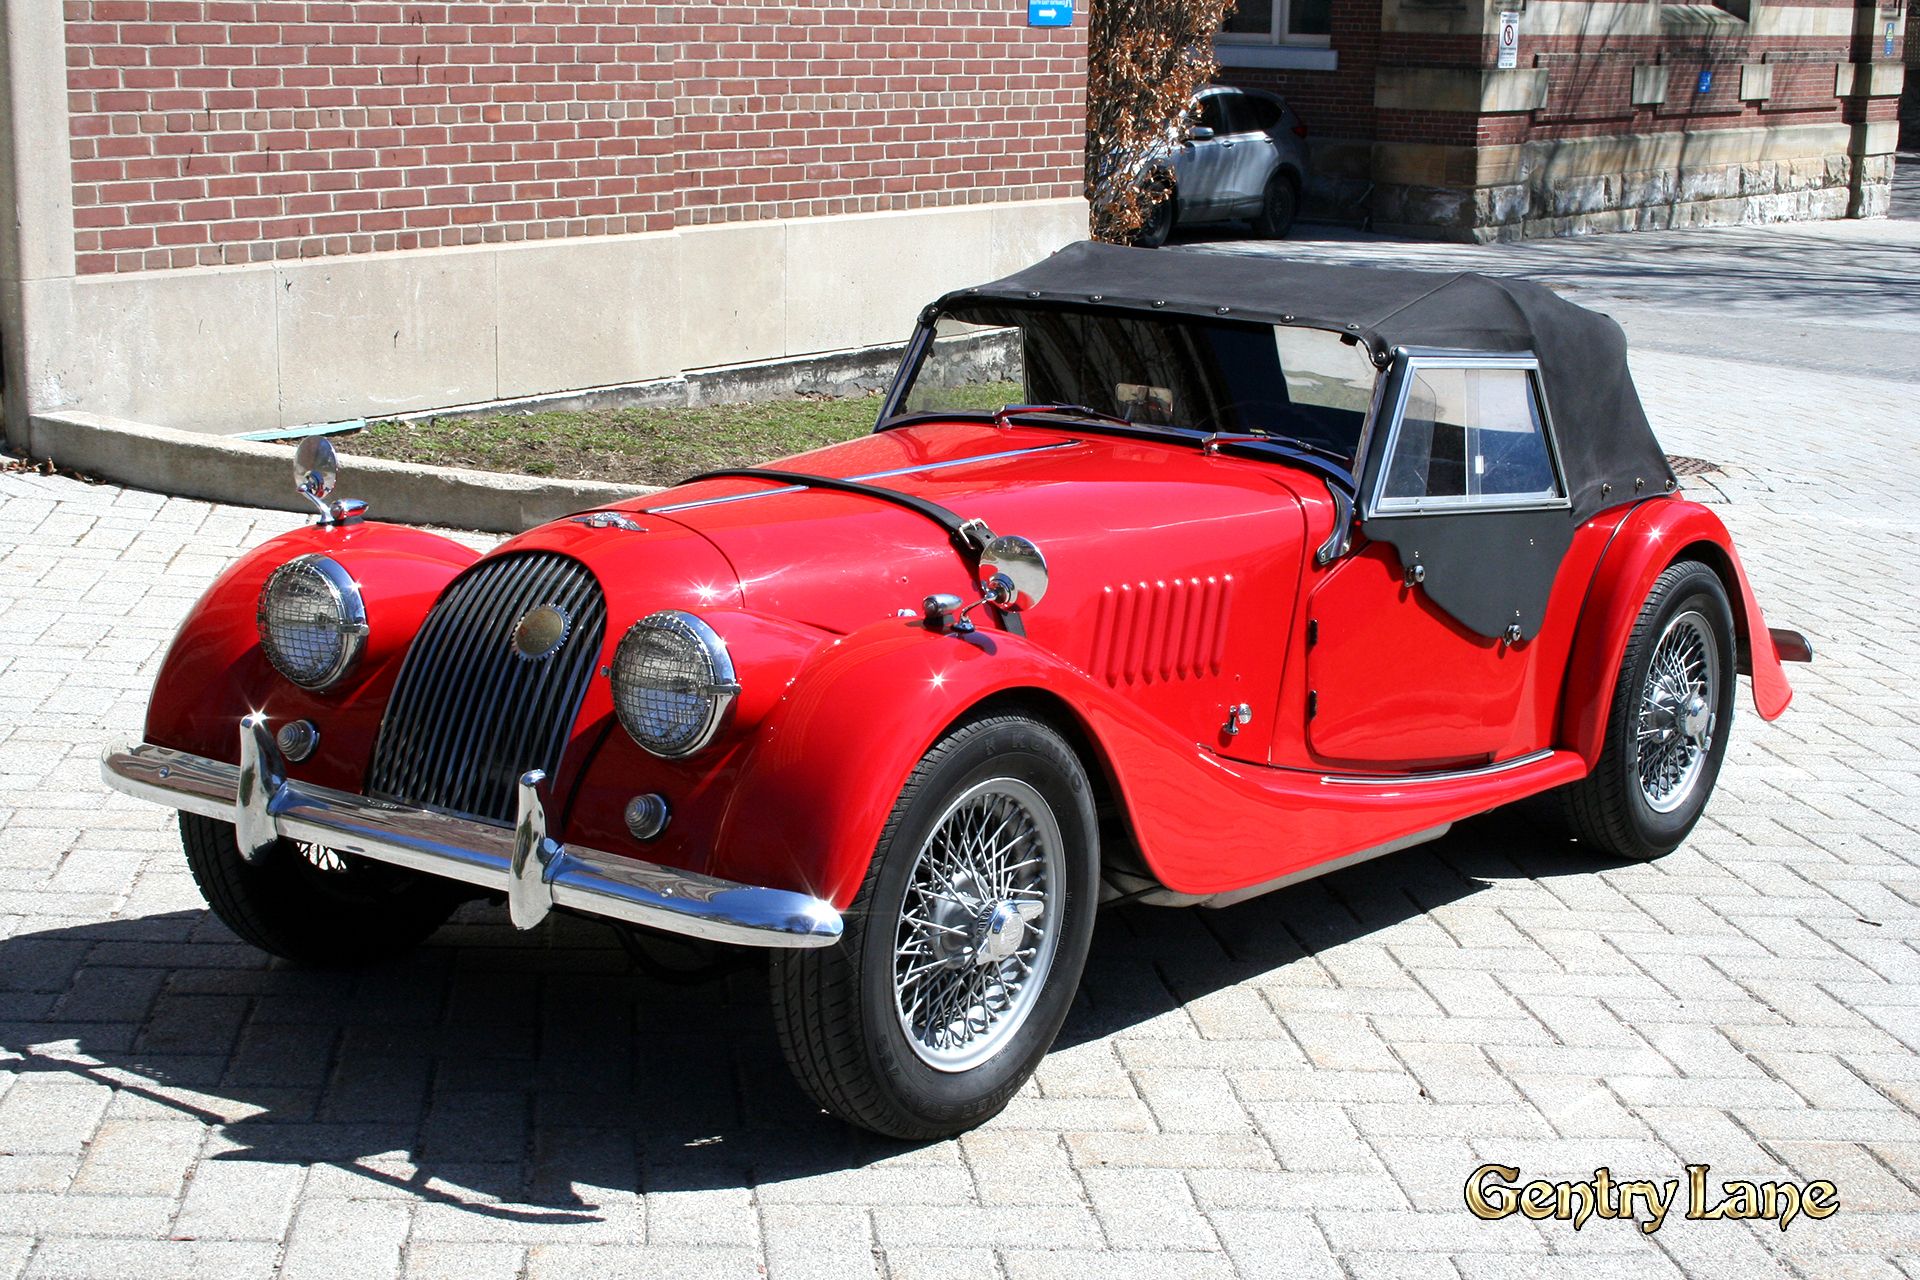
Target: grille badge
<point>541,631</point>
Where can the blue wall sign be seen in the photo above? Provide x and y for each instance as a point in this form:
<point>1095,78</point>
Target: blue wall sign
<point>1049,13</point>
<point>1706,82</point>
<point>1887,48</point>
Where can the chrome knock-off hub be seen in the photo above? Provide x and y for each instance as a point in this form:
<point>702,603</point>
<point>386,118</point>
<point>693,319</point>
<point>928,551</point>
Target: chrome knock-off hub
<point>979,924</point>
<point>1676,722</point>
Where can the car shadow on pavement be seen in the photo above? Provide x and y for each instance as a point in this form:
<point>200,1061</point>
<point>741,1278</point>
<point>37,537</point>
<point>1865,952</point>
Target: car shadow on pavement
<point>538,1078</point>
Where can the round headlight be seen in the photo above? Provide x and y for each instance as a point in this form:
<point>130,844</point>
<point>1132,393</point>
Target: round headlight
<point>313,622</point>
<point>672,683</point>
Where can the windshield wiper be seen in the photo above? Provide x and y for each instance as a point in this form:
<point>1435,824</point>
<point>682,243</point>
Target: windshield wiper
<point>1075,410</point>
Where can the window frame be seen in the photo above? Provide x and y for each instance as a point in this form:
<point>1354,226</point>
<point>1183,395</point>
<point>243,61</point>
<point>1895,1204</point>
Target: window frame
<point>1277,33</point>
<point>1408,364</point>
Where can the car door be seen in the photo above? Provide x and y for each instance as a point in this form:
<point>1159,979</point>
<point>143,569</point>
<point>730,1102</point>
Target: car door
<point>1250,151</point>
<point>1419,640</point>
<point>1202,169</point>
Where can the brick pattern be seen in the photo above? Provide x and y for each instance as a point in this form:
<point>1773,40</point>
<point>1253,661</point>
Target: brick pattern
<point>1297,1086</point>
<point>220,131</point>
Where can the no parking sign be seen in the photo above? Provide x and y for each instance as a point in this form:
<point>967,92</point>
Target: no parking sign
<point>1509,39</point>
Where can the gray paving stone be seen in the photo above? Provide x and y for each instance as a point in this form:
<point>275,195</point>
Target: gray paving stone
<point>83,1259</point>
<point>466,1261</point>
<point>1151,1264</point>
<point>334,1238</point>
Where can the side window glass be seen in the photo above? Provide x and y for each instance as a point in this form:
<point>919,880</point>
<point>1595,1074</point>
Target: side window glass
<point>1468,436</point>
<point>1211,115</point>
<point>1258,114</point>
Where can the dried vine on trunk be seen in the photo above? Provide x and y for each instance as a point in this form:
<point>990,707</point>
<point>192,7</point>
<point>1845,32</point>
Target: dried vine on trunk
<point>1145,60</point>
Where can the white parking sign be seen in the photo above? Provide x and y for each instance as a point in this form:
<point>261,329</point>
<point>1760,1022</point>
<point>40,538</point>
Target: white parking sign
<point>1509,39</point>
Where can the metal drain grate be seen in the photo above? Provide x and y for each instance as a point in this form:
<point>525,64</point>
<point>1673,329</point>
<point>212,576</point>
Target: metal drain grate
<point>1691,466</point>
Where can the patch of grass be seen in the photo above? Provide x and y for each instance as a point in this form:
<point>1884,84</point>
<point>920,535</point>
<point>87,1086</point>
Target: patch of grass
<point>644,446</point>
<point>625,446</point>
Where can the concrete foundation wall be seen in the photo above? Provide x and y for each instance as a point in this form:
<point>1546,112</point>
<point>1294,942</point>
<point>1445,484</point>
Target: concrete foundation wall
<point>1634,181</point>
<point>228,349</point>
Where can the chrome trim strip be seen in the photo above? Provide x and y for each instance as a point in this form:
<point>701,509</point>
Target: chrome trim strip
<point>670,508</point>
<point>1231,897</point>
<point>548,874</point>
<point>1452,775</point>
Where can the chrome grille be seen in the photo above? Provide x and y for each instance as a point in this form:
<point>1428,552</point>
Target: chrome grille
<point>469,714</point>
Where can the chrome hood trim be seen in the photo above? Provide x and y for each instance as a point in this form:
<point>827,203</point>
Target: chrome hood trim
<point>916,469</point>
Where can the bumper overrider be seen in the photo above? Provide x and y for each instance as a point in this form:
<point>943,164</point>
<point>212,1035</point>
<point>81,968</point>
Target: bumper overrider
<point>535,872</point>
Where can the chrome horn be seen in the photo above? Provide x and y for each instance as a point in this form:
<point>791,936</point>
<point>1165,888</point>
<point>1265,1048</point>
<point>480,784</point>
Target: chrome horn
<point>316,469</point>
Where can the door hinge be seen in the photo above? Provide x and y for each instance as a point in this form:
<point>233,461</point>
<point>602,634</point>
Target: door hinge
<point>1313,703</point>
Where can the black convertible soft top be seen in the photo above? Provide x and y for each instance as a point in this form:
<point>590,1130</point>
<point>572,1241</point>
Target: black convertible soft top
<point>1607,447</point>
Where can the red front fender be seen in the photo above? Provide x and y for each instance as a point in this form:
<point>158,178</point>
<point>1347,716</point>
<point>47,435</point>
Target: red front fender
<point>1653,536</point>
<point>215,671</point>
<point>828,762</point>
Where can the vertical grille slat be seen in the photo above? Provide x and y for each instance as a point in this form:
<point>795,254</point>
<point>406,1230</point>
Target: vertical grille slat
<point>489,632</point>
<point>469,714</point>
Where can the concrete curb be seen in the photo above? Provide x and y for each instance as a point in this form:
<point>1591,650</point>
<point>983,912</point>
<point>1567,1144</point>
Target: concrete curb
<point>189,464</point>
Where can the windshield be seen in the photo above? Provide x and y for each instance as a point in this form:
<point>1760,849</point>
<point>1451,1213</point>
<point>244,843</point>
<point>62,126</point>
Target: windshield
<point>1306,386</point>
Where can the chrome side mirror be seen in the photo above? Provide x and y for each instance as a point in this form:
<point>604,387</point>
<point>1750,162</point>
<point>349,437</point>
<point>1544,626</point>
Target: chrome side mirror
<point>316,469</point>
<point>1013,573</point>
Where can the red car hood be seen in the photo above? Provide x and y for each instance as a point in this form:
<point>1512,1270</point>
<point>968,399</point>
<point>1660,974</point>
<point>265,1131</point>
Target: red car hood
<point>1101,508</point>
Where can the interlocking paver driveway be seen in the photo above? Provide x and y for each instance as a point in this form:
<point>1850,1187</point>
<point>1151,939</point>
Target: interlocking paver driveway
<point>1298,1086</point>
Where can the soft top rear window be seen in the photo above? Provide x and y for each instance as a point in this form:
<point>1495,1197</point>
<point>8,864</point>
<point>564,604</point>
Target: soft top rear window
<point>1184,372</point>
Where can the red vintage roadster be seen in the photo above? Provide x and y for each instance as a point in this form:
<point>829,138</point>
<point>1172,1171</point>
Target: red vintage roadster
<point>1166,577</point>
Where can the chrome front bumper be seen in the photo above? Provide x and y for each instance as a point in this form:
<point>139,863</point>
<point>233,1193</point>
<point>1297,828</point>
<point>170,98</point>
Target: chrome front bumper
<point>536,873</point>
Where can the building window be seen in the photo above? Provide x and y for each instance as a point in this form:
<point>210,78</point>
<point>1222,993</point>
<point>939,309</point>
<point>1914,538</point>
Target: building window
<point>1307,22</point>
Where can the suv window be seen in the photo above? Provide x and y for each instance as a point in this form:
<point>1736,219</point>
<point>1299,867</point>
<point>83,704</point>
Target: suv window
<point>1255,114</point>
<point>1468,436</point>
<point>1212,113</point>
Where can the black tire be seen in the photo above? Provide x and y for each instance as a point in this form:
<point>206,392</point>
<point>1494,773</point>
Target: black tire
<point>835,1010</point>
<point>314,906</point>
<point>1611,808</point>
<point>1278,207</point>
<point>1158,224</point>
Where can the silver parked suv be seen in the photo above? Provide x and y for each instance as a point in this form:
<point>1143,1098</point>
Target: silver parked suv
<point>1244,156</point>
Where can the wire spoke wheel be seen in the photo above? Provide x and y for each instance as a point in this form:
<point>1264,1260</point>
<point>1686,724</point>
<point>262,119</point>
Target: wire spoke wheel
<point>1674,731</point>
<point>321,858</point>
<point>978,927</point>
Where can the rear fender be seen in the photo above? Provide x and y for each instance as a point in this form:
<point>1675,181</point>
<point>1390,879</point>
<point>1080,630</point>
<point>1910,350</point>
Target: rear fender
<point>215,672</point>
<point>1655,535</point>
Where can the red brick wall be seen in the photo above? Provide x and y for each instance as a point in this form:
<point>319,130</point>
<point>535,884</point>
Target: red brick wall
<point>223,131</point>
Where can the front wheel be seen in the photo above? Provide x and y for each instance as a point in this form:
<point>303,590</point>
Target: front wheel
<point>964,946</point>
<point>314,905</point>
<point>1157,225</point>
<point>1668,724</point>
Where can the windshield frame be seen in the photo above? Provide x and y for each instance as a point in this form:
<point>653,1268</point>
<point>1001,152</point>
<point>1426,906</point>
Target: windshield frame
<point>893,415</point>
